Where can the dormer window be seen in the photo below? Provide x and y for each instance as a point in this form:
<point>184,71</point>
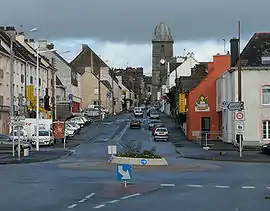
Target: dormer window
<point>266,59</point>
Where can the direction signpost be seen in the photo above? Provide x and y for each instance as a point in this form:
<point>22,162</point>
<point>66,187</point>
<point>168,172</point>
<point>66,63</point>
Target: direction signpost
<point>124,173</point>
<point>235,106</point>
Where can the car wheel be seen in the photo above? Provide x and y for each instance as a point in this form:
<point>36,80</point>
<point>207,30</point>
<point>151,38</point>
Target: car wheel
<point>155,139</point>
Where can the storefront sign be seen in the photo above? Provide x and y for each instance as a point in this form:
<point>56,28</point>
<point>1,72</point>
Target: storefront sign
<point>202,104</point>
<point>182,103</point>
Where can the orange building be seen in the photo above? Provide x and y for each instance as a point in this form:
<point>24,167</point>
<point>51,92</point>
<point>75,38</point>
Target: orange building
<point>201,101</point>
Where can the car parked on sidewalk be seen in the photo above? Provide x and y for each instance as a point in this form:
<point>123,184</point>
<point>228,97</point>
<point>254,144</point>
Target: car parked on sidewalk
<point>161,133</point>
<point>6,143</point>
<point>135,123</point>
<point>266,148</point>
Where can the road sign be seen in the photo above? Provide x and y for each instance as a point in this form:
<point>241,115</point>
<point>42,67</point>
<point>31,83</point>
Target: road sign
<point>239,116</point>
<point>143,161</point>
<point>112,150</point>
<point>108,94</point>
<point>239,128</point>
<point>236,106</point>
<point>224,105</point>
<point>124,172</point>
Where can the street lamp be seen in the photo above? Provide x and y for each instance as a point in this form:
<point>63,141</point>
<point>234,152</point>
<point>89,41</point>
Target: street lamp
<point>37,95</point>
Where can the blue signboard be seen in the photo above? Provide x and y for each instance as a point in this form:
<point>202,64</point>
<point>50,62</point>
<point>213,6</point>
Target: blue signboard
<point>124,172</point>
<point>108,94</point>
<point>143,161</point>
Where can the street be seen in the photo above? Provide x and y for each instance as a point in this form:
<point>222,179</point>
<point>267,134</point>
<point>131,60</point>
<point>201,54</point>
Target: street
<point>86,181</point>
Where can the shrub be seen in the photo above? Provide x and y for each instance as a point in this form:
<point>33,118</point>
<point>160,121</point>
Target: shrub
<point>144,154</point>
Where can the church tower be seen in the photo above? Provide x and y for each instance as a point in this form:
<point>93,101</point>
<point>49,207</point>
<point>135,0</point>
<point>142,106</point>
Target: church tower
<point>162,50</point>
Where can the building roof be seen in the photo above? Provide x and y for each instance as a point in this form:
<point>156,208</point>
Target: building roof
<point>162,33</point>
<point>258,46</point>
<point>107,84</point>
<point>58,81</point>
<point>2,49</point>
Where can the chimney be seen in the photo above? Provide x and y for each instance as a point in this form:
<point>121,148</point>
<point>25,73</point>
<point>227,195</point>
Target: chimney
<point>20,37</point>
<point>234,51</point>
<point>11,32</point>
<point>50,46</point>
<point>31,42</point>
<point>84,46</point>
<point>42,45</point>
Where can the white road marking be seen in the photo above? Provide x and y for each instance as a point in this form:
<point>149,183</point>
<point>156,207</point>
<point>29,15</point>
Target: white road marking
<point>99,206</point>
<point>113,201</point>
<point>72,206</point>
<point>90,195</point>
<point>195,186</point>
<point>167,185</point>
<point>130,196</point>
<point>82,200</point>
<point>248,187</point>
<point>222,186</point>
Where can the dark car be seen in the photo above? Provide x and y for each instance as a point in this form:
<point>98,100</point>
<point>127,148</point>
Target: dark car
<point>154,122</point>
<point>266,149</point>
<point>135,123</point>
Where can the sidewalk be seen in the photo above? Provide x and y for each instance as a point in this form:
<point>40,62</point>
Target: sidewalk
<point>34,156</point>
<point>220,151</point>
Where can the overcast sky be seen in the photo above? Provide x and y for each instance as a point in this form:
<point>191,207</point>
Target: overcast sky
<point>121,30</point>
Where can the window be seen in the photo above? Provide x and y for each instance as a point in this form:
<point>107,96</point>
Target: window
<point>266,95</point>
<point>149,89</point>
<point>266,130</point>
<point>162,48</point>
<point>1,73</point>
<point>39,81</point>
<point>31,79</point>
<point>1,100</point>
<point>22,78</point>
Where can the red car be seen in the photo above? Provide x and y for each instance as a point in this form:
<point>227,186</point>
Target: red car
<point>153,130</point>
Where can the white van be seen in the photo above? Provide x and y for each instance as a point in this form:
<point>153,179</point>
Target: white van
<point>46,138</point>
<point>138,112</point>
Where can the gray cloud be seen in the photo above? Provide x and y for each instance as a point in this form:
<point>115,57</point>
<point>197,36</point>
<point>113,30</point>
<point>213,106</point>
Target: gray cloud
<point>134,21</point>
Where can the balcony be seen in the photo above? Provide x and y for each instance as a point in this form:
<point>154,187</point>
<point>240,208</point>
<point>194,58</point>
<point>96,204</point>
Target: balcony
<point>4,108</point>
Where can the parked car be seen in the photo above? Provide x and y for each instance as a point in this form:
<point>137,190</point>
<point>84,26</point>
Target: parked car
<point>78,120</point>
<point>69,133</point>
<point>6,143</point>
<point>46,138</point>
<point>72,126</point>
<point>87,121</point>
<point>161,133</point>
<point>135,123</point>
<point>266,149</point>
<point>138,112</point>
<point>153,122</point>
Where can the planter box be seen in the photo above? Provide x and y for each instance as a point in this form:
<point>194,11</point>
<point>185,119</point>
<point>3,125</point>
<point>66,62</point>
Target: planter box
<point>137,161</point>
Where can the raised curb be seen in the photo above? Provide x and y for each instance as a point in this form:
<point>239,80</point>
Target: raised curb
<point>221,159</point>
<point>70,152</point>
<point>137,161</point>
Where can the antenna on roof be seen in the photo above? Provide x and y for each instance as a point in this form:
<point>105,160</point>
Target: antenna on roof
<point>224,45</point>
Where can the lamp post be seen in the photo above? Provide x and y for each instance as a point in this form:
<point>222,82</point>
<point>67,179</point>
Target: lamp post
<point>37,95</point>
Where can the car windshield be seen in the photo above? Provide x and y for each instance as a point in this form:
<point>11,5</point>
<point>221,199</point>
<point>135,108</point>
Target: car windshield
<point>44,133</point>
<point>155,121</point>
<point>163,130</point>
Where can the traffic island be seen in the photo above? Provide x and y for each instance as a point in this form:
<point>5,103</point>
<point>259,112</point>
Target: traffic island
<point>146,158</point>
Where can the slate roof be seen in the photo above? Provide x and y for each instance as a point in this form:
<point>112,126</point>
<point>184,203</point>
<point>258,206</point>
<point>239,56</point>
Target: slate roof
<point>258,45</point>
<point>198,73</point>
<point>58,81</point>
<point>2,49</point>
<point>107,84</point>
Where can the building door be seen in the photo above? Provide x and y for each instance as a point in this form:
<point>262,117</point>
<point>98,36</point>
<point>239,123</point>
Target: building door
<point>205,124</point>
<point>205,127</point>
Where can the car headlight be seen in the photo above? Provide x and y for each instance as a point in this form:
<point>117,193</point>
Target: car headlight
<point>264,146</point>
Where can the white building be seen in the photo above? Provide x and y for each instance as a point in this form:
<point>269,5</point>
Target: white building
<point>70,79</point>
<point>126,94</point>
<point>255,74</point>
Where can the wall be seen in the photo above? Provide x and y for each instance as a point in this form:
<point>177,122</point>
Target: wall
<point>183,70</point>
<point>89,83</point>
<point>255,112</point>
<point>207,88</point>
<point>5,81</point>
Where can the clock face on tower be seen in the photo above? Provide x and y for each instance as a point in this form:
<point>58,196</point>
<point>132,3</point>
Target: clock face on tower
<point>162,61</point>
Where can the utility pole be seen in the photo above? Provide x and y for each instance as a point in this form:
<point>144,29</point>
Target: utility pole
<point>53,88</point>
<point>112,93</point>
<point>11,87</point>
<point>239,83</point>
<point>99,93</point>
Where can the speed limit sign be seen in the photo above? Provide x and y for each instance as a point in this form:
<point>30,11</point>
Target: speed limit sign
<point>239,116</point>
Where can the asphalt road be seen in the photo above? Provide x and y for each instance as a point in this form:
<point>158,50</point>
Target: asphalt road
<point>85,181</point>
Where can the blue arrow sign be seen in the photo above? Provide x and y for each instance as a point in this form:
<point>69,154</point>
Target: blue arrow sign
<point>143,162</point>
<point>124,172</point>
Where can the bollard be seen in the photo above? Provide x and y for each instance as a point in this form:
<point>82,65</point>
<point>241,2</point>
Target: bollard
<point>26,152</point>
